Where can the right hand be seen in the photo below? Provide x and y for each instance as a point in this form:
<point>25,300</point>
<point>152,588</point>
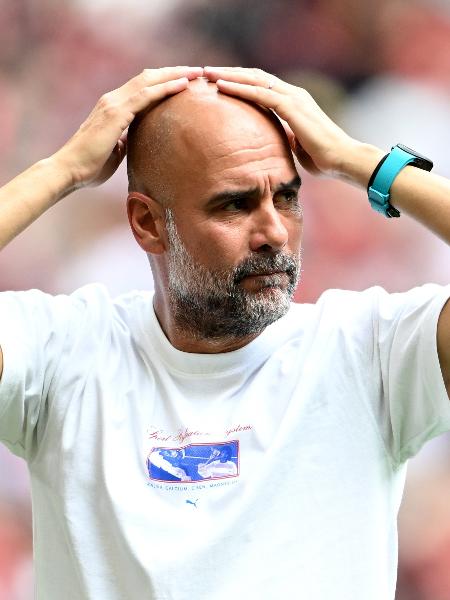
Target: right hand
<point>93,154</point>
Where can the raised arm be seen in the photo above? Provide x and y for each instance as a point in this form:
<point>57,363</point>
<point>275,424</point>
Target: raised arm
<point>322,147</point>
<point>91,156</point>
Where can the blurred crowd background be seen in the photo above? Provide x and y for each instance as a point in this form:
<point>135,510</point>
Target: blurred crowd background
<point>381,68</point>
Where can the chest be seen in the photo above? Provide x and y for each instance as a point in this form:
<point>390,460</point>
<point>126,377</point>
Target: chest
<point>149,429</point>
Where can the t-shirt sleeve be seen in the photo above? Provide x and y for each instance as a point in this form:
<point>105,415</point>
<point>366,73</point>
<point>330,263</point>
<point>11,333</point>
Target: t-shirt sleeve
<point>414,406</point>
<point>35,332</point>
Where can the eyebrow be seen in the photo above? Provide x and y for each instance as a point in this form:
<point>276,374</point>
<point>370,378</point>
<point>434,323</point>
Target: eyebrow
<point>232,195</point>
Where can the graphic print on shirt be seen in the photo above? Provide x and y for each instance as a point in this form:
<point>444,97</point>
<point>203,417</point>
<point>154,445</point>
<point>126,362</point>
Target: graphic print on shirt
<point>194,462</point>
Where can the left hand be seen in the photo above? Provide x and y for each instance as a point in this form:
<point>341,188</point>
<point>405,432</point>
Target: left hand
<point>316,140</point>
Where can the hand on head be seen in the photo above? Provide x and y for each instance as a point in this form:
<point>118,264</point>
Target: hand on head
<point>95,151</point>
<point>316,140</point>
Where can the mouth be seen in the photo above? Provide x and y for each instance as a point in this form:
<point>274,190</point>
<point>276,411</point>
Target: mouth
<point>266,274</point>
<point>266,280</point>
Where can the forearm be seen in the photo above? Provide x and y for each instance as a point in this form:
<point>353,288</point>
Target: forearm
<point>30,194</point>
<point>422,195</point>
<point>93,153</point>
<point>322,147</point>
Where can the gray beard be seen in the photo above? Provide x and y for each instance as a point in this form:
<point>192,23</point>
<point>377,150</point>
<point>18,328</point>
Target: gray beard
<point>211,305</point>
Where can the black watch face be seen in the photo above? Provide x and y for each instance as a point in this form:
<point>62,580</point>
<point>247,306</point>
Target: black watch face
<point>422,161</point>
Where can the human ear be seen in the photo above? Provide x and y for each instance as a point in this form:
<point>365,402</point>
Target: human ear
<point>146,217</point>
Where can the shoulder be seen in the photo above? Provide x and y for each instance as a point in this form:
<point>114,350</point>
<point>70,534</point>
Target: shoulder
<point>88,309</point>
<point>379,301</point>
<point>96,301</point>
<point>363,314</point>
<point>336,308</point>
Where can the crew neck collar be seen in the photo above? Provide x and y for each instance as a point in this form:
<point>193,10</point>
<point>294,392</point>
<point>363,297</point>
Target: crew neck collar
<point>191,363</point>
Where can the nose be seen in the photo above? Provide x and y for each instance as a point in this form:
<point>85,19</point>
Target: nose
<point>269,232</point>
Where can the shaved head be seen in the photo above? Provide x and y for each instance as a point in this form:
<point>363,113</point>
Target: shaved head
<point>171,141</point>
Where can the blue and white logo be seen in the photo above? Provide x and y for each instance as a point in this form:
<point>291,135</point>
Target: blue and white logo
<point>195,462</point>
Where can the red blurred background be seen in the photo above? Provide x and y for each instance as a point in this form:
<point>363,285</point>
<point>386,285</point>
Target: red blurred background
<point>381,68</point>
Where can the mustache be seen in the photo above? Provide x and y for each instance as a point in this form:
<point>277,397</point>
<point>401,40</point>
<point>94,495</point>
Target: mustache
<point>268,263</point>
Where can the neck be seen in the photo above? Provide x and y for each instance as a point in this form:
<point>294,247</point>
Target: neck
<point>192,341</point>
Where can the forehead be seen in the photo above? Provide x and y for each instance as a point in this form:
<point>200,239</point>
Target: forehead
<point>224,142</point>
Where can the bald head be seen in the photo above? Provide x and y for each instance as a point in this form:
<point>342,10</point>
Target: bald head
<point>171,144</point>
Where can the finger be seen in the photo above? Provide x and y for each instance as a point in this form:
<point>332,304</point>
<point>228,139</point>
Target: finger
<point>120,151</point>
<point>246,76</point>
<point>155,76</point>
<point>122,146</point>
<point>215,73</point>
<point>124,136</point>
<point>254,93</point>
<point>288,131</point>
<point>152,94</point>
<point>111,165</point>
<point>218,69</point>
<point>305,159</point>
<point>150,77</point>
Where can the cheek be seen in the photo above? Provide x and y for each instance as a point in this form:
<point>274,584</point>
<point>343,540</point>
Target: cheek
<point>227,243</point>
<point>217,245</point>
<point>295,231</point>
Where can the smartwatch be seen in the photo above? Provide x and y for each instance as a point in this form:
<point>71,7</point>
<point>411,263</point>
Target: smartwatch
<point>386,171</point>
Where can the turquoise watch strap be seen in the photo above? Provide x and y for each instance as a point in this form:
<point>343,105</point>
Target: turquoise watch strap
<point>379,190</point>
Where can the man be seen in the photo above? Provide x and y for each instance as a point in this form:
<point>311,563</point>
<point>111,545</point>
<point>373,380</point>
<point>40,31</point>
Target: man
<point>218,465</point>
<point>324,403</point>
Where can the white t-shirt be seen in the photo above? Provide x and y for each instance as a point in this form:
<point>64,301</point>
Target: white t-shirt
<point>317,416</point>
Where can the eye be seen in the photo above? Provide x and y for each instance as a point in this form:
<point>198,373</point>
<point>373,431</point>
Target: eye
<point>235,205</point>
<point>288,197</point>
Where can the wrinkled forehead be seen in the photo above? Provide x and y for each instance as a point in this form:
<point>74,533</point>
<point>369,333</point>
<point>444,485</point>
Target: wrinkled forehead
<point>201,112</point>
<point>205,118</point>
<point>202,135</point>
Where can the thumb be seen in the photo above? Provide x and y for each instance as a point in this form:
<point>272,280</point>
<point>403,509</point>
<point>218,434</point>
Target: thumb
<point>289,133</point>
